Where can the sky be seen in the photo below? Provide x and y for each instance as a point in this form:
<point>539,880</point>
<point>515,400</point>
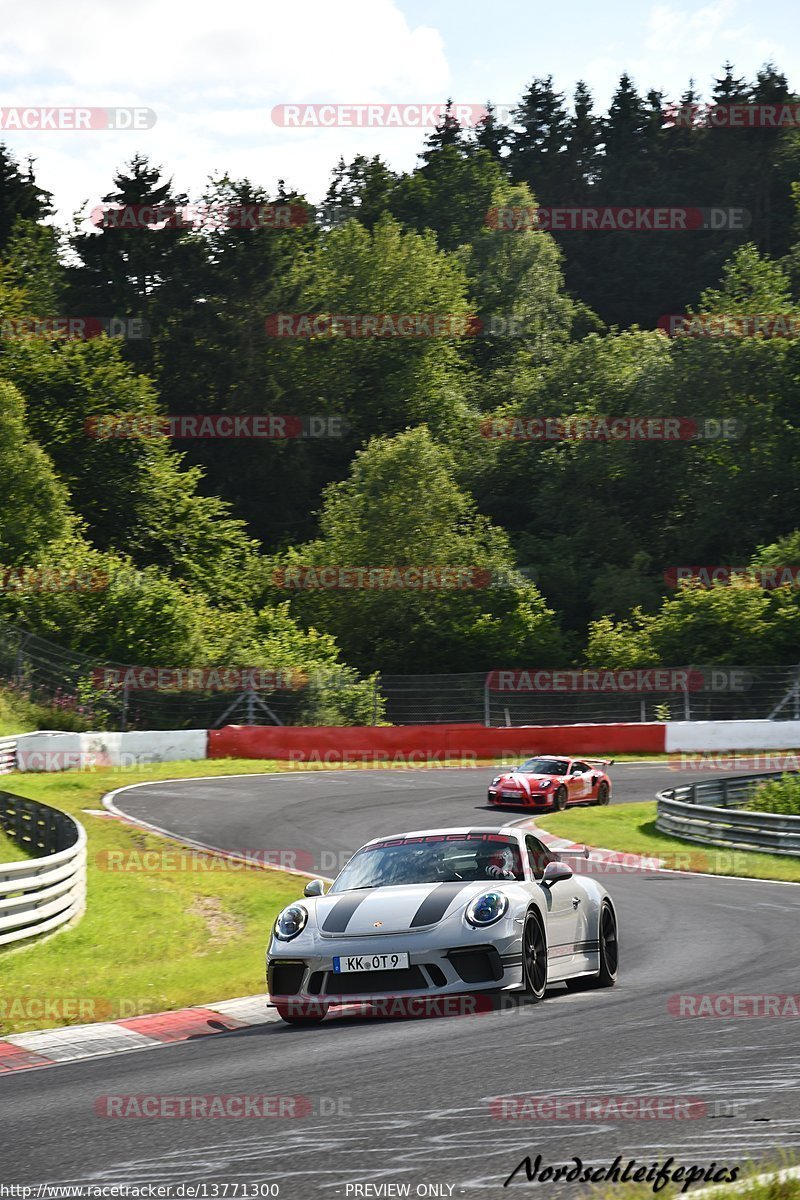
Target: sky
<point>213,72</point>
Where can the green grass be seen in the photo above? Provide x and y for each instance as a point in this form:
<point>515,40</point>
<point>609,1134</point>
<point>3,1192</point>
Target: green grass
<point>9,850</point>
<point>632,828</point>
<point>148,941</point>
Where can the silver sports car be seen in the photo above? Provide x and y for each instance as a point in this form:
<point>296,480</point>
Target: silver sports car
<point>439,912</point>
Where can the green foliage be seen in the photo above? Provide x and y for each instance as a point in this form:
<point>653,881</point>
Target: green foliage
<point>413,481</point>
<point>726,624</point>
<point>131,491</point>
<point>20,196</point>
<point>109,609</point>
<point>34,508</point>
<point>781,796</point>
<point>375,519</point>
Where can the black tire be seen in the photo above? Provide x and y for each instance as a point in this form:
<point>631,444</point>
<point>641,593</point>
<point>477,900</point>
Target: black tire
<point>534,958</point>
<point>609,955</point>
<point>560,800</point>
<point>603,793</point>
<point>301,1012</point>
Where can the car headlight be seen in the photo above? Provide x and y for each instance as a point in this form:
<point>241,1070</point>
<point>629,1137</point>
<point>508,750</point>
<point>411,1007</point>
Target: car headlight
<point>486,909</point>
<point>290,922</point>
<point>495,781</point>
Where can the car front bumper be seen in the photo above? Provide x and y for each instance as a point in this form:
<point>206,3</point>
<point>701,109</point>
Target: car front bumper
<point>434,970</point>
<point>523,799</point>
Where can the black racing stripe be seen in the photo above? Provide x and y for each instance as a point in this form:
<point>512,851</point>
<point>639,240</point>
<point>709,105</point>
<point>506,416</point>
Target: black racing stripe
<point>566,949</point>
<point>338,918</point>
<point>436,904</point>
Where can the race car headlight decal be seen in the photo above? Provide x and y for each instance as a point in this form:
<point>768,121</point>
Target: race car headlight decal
<point>290,922</point>
<point>486,909</point>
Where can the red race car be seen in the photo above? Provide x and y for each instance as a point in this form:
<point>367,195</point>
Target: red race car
<point>552,782</point>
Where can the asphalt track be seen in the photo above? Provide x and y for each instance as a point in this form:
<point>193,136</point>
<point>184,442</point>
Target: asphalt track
<point>408,1101</point>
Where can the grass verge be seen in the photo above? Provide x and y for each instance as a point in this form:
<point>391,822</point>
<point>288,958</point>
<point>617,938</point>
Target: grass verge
<point>632,828</point>
<point>9,850</point>
<point>149,941</point>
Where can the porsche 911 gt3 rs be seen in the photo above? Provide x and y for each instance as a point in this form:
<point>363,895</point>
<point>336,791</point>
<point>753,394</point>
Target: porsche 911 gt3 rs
<point>440,912</point>
<point>552,782</point>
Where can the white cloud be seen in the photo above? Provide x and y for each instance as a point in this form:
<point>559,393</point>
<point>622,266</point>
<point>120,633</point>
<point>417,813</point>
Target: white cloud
<point>212,72</point>
<point>674,29</point>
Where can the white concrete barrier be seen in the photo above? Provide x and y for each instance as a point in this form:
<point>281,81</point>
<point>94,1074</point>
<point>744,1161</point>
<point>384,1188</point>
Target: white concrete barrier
<point>71,751</point>
<point>732,735</point>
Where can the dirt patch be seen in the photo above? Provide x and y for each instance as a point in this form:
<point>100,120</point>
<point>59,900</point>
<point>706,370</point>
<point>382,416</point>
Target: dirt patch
<point>222,926</point>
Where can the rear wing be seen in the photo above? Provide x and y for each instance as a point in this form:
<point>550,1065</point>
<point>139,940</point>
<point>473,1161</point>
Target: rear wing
<point>603,762</point>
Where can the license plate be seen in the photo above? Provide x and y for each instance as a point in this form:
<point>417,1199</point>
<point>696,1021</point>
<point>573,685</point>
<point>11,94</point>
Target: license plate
<point>369,962</point>
<point>510,795</point>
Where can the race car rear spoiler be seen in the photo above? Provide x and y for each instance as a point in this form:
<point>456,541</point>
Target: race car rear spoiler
<point>604,762</point>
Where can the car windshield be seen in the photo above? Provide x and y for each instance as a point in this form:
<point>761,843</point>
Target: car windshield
<point>432,858</point>
<point>545,766</point>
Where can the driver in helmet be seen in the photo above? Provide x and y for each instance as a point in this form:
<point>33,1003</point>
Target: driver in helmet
<point>500,864</point>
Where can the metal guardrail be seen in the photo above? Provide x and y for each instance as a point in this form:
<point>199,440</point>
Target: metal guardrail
<point>708,812</point>
<point>40,894</point>
<point>8,755</point>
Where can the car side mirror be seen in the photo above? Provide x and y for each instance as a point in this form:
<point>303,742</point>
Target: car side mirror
<point>554,872</point>
<point>314,887</point>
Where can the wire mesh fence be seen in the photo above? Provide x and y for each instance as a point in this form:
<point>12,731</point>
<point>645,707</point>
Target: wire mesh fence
<point>66,680</point>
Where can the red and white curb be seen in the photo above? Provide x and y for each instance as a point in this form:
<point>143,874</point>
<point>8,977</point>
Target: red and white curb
<point>620,858</point>
<point>46,1047</point>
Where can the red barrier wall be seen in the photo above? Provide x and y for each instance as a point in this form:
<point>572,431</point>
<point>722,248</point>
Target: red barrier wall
<point>418,743</point>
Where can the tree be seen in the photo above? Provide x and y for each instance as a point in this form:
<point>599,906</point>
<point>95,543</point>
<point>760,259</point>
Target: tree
<point>361,191</point>
<point>581,147</point>
<point>375,519</point>
<point>491,135</point>
<point>20,196</point>
<point>381,384</point>
<point>518,287</point>
<point>727,624</point>
<point>536,154</point>
<point>123,271</point>
<point>131,491</point>
<point>450,193</point>
<point>33,501</point>
<point>33,265</point>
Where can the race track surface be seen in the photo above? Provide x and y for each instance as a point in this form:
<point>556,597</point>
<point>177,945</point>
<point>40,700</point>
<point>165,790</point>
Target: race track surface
<point>408,1101</point>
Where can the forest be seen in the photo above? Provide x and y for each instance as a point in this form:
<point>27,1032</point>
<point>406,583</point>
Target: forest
<point>480,447</point>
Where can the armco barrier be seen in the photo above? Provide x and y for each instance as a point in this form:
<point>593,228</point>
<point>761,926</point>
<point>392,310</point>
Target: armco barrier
<point>421,743</point>
<point>8,755</point>
<point>705,812</point>
<point>40,894</point>
<point>732,735</point>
